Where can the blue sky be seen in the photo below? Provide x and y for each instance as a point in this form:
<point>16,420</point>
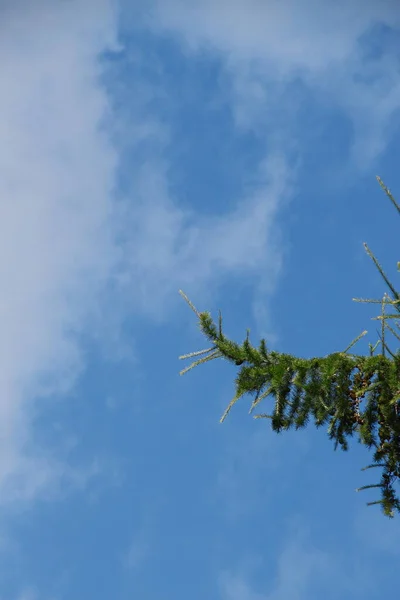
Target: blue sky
<point>228,149</point>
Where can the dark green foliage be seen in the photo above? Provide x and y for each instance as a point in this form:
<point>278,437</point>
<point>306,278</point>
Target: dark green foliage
<point>353,395</point>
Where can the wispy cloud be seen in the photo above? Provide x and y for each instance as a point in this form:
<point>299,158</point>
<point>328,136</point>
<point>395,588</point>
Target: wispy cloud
<point>57,176</point>
<point>299,567</point>
<point>144,539</point>
<point>303,570</point>
<point>268,45</point>
<point>237,588</point>
<point>170,247</point>
<point>27,595</point>
<point>276,56</point>
<point>65,239</point>
<point>138,552</point>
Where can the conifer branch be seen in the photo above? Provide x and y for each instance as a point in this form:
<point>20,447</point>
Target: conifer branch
<point>230,405</point>
<point>354,342</point>
<point>258,399</point>
<point>194,309</point>
<point>383,274</point>
<point>388,193</point>
<point>215,354</point>
<point>197,353</point>
<point>352,394</point>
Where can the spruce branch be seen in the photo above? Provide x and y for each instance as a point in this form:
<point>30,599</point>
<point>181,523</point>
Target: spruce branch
<point>354,395</point>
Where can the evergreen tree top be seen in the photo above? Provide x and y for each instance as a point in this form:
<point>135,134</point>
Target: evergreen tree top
<point>354,395</point>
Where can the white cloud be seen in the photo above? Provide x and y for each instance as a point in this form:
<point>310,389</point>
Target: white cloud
<point>267,45</point>
<point>299,567</point>
<point>28,595</point>
<point>138,553</point>
<point>142,543</point>
<point>170,248</point>
<point>303,570</point>
<point>277,55</point>
<point>236,588</point>
<point>60,222</point>
<point>57,175</point>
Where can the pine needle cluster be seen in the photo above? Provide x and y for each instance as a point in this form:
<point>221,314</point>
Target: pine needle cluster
<point>352,395</point>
